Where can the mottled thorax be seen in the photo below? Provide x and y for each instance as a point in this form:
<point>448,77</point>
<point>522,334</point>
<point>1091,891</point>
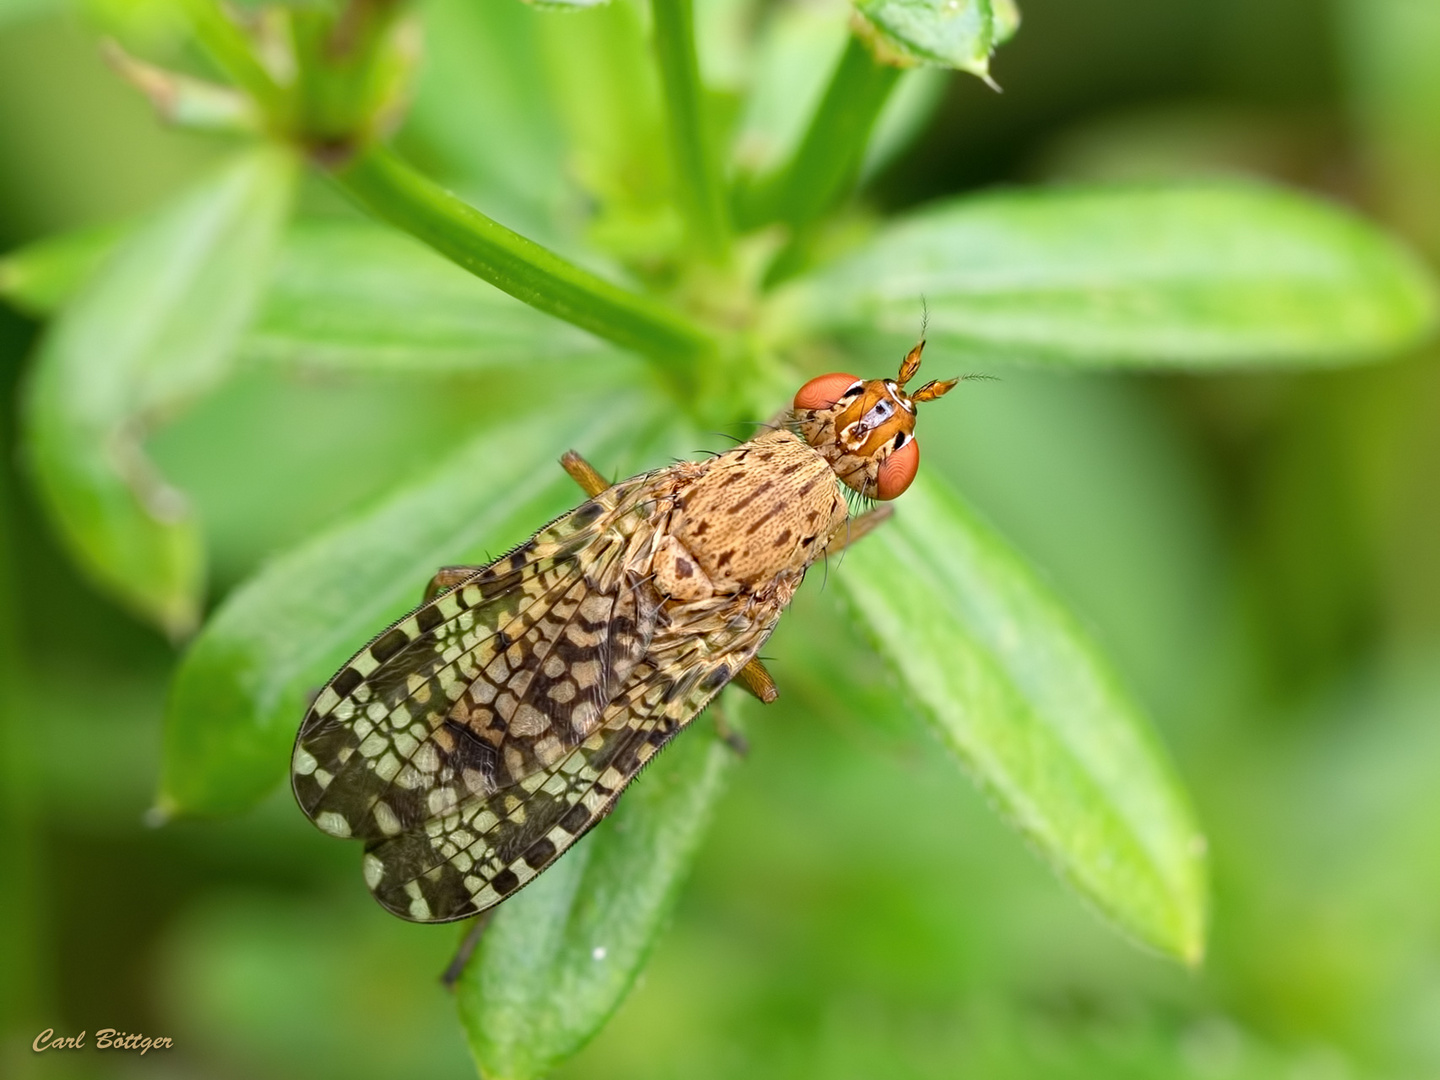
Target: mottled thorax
<point>766,508</point>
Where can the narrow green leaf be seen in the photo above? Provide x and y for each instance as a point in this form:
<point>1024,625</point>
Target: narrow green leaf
<point>1192,276</point>
<point>235,52</point>
<point>558,959</point>
<point>696,168</point>
<point>40,277</point>
<point>151,329</point>
<point>1012,685</point>
<point>184,101</point>
<point>241,690</point>
<point>344,294</point>
<point>796,47</point>
<point>952,33</point>
<point>359,296</point>
<point>905,117</point>
<point>825,163</point>
<point>603,78</point>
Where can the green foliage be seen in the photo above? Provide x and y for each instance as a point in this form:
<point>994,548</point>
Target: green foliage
<point>1014,688</point>
<point>654,279</point>
<point>151,330</point>
<point>555,963</point>
<point>1197,277</point>
<point>955,33</point>
<point>353,296</point>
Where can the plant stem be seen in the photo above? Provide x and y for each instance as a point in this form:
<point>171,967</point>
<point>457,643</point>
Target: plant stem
<point>233,52</point>
<point>338,57</point>
<point>397,193</point>
<point>827,161</point>
<point>697,172</point>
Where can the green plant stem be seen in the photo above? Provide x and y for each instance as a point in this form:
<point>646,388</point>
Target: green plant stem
<point>233,52</point>
<point>339,55</point>
<point>397,193</point>
<point>697,172</point>
<point>827,161</point>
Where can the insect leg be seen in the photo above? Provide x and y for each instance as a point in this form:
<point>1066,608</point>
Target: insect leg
<point>754,679</point>
<point>446,578</point>
<point>456,967</point>
<point>728,735</point>
<point>852,529</point>
<point>583,473</point>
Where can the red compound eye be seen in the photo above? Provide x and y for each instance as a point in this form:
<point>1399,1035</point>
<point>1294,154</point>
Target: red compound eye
<point>824,391</point>
<point>897,471</point>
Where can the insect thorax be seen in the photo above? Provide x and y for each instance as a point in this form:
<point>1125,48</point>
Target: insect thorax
<point>762,512</point>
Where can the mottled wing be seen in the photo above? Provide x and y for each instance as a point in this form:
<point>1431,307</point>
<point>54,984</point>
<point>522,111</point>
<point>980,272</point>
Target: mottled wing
<point>486,848</point>
<point>485,685</point>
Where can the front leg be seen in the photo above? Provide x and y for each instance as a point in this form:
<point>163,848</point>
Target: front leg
<point>585,474</point>
<point>852,530</point>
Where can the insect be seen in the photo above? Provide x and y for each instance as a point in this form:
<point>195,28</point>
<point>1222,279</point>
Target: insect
<point>476,739</point>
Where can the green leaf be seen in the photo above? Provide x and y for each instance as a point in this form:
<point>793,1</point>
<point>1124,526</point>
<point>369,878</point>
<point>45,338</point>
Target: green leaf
<point>1193,276</point>
<point>152,328</point>
<point>951,33</point>
<point>698,187</point>
<point>183,101</point>
<point>824,165</point>
<point>40,277</point>
<point>1007,20</point>
<point>797,46</point>
<point>345,294</point>
<point>906,116</point>
<point>606,88</point>
<point>558,959</point>
<point>1012,685</point>
<point>359,296</point>
<point>241,690</point>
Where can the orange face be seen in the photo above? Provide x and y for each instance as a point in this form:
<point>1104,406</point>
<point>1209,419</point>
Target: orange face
<point>865,429</point>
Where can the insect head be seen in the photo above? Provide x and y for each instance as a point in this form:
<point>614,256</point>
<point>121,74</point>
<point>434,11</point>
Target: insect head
<point>866,429</point>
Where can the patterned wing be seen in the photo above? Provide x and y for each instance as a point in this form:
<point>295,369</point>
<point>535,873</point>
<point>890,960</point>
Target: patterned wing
<point>497,680</point>
<point>471,858</point>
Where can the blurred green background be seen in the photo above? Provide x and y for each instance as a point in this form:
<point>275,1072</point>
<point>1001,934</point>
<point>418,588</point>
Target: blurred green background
<point>1260,554</point>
